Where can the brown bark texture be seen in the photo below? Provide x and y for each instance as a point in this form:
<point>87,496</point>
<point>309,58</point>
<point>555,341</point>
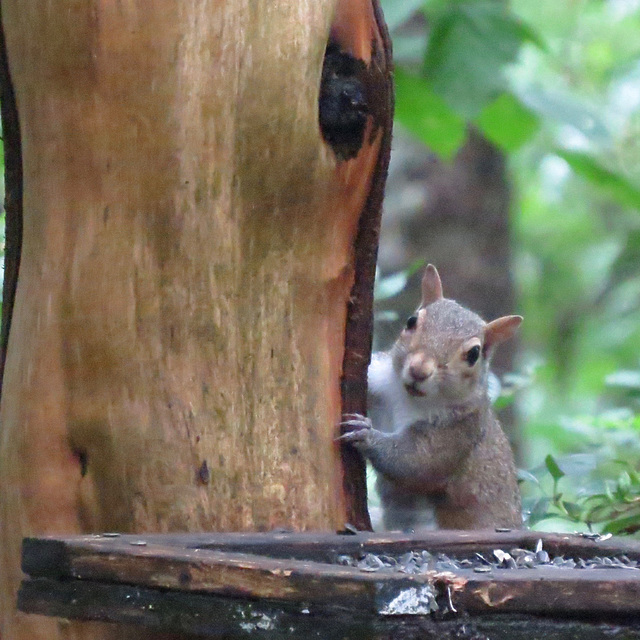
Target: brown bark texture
<point>12,197</point>
<point>192,260</point>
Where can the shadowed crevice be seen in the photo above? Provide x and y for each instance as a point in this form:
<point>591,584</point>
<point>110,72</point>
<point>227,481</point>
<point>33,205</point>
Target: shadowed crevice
<point>12,199</point>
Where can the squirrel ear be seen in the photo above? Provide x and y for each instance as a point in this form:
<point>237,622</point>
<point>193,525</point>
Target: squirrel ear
<point>499,330</point>
<point>431,286</point>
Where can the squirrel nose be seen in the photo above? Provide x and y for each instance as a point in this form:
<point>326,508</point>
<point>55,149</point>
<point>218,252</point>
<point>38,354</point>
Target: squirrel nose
<point>418,374</point>
<point>420,369</point>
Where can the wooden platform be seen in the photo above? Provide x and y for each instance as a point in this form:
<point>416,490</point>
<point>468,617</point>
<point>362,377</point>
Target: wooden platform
<point>279,585</point>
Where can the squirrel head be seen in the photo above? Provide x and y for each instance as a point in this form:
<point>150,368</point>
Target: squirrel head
<point>443,353</point>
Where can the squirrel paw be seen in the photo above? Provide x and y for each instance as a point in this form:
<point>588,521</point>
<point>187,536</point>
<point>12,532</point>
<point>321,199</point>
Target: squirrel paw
<point>357,429</point>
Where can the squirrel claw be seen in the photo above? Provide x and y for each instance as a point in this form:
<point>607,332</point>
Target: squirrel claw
<point>356,428</point>
<point>357,420</point>
<point>357,425</point>
<point>353,437</point>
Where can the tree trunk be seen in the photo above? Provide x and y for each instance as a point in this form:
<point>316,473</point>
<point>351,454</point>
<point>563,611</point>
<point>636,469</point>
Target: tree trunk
<point>194,259</point>
<point>13,197</point>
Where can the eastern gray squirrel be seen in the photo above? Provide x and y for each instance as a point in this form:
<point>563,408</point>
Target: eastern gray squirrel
<point>440,454</point>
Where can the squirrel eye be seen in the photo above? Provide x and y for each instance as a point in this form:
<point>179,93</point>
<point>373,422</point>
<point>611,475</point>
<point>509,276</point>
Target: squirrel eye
<point>412,322</point>
<point>472,355</point>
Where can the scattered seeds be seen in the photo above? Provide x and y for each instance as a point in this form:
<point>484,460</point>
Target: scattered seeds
<point>421,562</point>
<point>542,557</point>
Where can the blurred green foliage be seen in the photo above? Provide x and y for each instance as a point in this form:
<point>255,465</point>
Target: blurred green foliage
<point>556,86</point>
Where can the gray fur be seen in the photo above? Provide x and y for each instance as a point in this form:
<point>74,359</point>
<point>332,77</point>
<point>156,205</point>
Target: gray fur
<point>438,450</point>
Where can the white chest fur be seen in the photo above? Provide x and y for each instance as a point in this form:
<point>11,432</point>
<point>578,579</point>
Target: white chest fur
<point>390,407</point>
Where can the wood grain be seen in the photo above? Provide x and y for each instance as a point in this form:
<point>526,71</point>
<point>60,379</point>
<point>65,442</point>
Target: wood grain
<point>188,265</point>
<point>325,547</point>
<point>189,566</point>
<point>216,617</point>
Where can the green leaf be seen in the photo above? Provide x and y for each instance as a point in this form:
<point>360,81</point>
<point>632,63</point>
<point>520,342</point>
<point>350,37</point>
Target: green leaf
<point>527,33</point>
<point>527,476</point>
<point>386,316</point>
<point>601,513</point>
<point>609,492</point>
<point>426,115</point>
<point>626,524</point>
<point>574,510</point>
<point>634,477</point>
<point>565,107</point>
<point>504,400</point>
<point>539,511</point>
<point>553,468</point>
<point>628,258</point>
<point>415,266</point>
<point>577,464</point>
<point>390,286</point>
<point>507,122</point>
<point>470,44</point>
<point>624,485</point>
<point>393,284</point>
<point>600,498</point>
<point>614,184</point>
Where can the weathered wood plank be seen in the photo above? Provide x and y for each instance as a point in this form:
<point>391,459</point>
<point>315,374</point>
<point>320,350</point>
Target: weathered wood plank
<point>549,591</point>
<point>324,547</point>
<point>544,590</point>
<point>232,574</point>
<point>210,616</point>
<point>460,543</point>
<point>177,611</point>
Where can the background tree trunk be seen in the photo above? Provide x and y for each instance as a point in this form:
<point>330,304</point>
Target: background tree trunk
<point>455,215</point>
<point>177,341</point>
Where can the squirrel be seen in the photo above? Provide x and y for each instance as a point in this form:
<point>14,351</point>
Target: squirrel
<point>441,456</point>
